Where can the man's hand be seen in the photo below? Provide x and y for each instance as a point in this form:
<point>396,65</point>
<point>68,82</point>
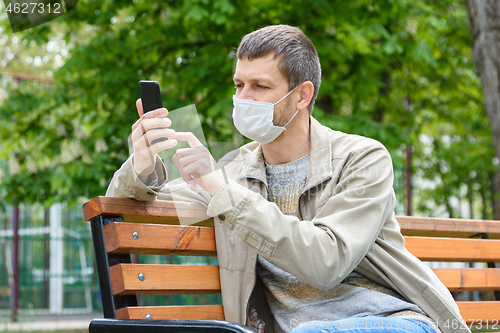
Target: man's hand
<point>196,165</point>
<point>150,126</point>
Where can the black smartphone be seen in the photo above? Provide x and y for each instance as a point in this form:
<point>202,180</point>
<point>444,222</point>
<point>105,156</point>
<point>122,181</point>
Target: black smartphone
<point>150,95</point>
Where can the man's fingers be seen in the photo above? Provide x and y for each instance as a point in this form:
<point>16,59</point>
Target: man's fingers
<point>194,169</point>
<point>140,109</point>
<point>152,125</point>
<point>164,145</point>
<point>194,164</point>
<point>142,148</point>
<point>158,113</point>
<point>151,136</point>
<point>186,176</point>
<point>161,146</point>
<point>199,152</point>
<point>192,141</point>
<point>184,161</point>
<point>161,112</point>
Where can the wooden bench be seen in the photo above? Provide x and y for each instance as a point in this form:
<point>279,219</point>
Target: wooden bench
<point>121,227</point>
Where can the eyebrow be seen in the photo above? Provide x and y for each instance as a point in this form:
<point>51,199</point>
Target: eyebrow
<point>261,79</point>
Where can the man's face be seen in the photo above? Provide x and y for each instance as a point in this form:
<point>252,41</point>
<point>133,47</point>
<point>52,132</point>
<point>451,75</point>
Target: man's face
<point>261,80</point>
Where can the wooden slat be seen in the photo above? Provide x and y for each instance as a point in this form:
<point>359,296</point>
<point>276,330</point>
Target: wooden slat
<point>157,211</point>
<point>187,312</point>
<point>453,249</point>
<point>447,227</point>
<point>475,312</point>
<point>164,279</point>
<point>159,239</point>
<point>469,279</point>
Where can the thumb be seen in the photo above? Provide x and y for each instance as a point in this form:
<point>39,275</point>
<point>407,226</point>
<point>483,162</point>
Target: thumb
<point>138,104</point>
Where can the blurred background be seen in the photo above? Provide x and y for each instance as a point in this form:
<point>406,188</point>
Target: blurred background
<point>414,75</point>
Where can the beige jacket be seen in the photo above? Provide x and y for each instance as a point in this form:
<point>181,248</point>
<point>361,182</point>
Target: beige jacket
<point>348,223</point>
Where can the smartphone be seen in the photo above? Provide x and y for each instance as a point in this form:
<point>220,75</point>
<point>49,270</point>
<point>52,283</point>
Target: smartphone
<point>150,95</point>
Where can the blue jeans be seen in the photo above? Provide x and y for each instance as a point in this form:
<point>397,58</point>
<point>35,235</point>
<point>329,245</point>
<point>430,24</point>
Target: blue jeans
<point>364,325</point>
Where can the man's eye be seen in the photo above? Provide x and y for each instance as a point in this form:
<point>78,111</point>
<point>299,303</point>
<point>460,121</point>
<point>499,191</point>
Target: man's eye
<point>238,86</point>
<point>261,87</point>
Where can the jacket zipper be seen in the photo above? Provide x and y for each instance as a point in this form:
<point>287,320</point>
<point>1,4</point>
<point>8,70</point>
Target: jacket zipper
<point>310,188</point>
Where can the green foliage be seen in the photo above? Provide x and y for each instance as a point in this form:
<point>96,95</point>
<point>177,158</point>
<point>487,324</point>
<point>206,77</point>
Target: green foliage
<point>398,71</point>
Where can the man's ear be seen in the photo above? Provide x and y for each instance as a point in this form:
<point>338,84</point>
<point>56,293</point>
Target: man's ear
<point>306,91</point>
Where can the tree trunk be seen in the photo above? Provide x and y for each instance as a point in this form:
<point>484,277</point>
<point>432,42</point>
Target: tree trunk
<point>495,198</point>
<point>484,18</point>
<point>470,199</point>
<point>485,215</point>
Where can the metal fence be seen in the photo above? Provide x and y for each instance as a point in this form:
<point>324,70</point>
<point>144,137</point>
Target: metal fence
<point>57,272</point>
<point>56,267</point>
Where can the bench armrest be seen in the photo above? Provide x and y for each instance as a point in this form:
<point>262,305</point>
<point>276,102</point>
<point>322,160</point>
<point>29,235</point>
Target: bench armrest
<point>101,325</point>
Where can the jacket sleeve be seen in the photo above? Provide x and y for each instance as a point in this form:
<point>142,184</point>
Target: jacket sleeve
<point>126,184</point>
<point>324,250</point>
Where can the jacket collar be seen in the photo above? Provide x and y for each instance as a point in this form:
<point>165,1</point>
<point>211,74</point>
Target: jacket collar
<point>320,160</point>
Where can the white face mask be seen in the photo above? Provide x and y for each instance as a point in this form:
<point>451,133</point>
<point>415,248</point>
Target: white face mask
<point>254,119</point>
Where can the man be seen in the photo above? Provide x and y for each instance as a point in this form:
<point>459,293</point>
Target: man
<point>304,216</point>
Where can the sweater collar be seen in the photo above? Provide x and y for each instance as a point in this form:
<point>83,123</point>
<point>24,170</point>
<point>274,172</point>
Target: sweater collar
<point>319,167</point>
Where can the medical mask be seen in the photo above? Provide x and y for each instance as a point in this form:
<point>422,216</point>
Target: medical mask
<point>254,119</point>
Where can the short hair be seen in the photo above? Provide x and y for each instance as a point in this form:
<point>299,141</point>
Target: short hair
<point>298,59</point>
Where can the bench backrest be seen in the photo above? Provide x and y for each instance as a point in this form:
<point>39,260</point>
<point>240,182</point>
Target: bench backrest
<point>121,227</point>
<point>460,240</point>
